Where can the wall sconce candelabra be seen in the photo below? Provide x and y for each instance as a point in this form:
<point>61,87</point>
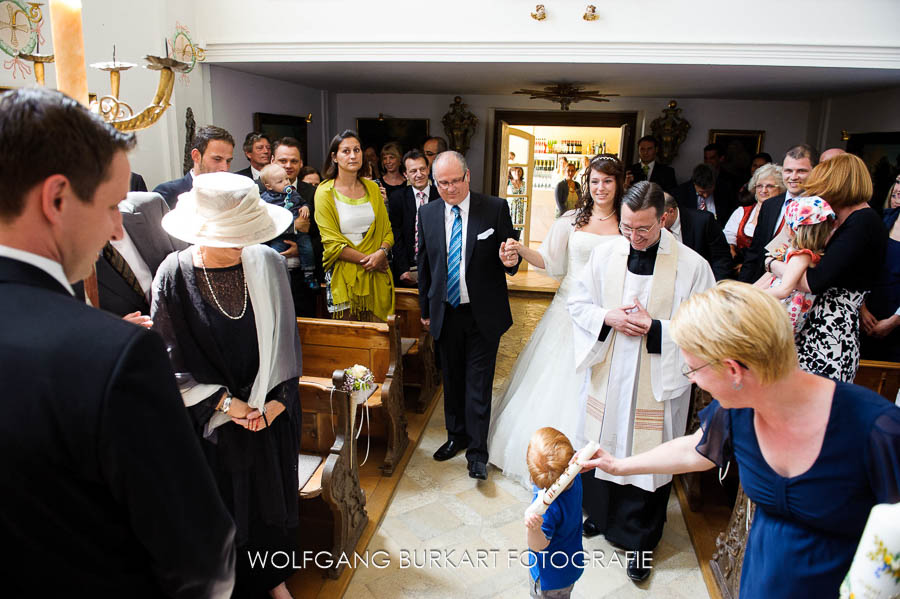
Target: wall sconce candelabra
<point>119,113</point>
<point>71,75</point>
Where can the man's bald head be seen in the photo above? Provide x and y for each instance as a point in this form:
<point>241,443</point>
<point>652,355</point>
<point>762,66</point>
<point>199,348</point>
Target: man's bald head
<point>831,153</point>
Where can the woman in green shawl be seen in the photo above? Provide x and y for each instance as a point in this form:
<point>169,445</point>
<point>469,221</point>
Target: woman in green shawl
<point>356,236</point>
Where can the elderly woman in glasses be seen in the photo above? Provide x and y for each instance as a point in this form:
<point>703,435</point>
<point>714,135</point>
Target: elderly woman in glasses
<point>813,453</point>
<point>766,182</point>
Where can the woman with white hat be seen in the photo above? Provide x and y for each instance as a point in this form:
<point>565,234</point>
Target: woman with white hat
<point>224,308</point>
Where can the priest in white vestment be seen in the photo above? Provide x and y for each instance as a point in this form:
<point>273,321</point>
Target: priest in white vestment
<point>635,393</point>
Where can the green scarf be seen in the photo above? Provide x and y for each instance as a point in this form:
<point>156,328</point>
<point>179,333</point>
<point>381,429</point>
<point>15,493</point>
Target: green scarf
<point>371,291</point>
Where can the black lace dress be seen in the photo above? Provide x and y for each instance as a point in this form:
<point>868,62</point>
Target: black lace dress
<point>256,472</point>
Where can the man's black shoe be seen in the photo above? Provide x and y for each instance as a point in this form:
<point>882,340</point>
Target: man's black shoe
<point>638,569</point>
<point>478,470</point>
<point>448,450</point>
<point>589,529</point>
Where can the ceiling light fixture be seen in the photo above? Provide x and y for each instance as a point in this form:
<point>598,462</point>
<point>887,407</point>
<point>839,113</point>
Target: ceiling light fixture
<point>565,94</point>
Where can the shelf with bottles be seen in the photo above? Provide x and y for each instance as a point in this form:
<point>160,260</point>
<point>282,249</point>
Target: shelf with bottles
<point>543,145</point>
<point>518,210</point>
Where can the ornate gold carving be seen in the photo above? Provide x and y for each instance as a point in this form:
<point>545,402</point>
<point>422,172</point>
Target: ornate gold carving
<point>728,559</point>
<point>540,13</point>
<point>459,125</point>
<point>671,130</point>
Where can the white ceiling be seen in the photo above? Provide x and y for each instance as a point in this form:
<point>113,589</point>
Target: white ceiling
<point>632,80</point>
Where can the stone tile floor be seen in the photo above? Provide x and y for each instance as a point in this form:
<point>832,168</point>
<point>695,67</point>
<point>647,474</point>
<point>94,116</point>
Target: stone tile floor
<point>438,508</point>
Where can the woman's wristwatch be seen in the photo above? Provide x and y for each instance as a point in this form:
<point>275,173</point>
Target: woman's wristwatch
<point>226,404</point>
<point>385,250</point>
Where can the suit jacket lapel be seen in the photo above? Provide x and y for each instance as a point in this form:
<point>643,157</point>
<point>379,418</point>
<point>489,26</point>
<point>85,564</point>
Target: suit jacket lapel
<point>473,227</point>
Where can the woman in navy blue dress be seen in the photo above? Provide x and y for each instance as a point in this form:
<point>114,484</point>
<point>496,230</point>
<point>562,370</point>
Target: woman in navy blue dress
<point>814,454</point>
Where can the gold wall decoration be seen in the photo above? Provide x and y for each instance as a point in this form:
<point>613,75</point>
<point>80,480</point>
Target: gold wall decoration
<point>459,125</point>
<point>671,130</point>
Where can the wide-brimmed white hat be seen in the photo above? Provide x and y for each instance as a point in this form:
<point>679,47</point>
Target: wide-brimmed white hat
<point>224,210</point>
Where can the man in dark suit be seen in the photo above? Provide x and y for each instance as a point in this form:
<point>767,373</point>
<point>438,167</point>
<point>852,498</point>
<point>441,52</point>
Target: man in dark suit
<point>103,476</point>
<point>212,151</point>
<point>702,193</point>
<point>649,169</point>
<point>258,150</point>
<point>462,294</point>
<point>698,230</point>
<point>286,153</point>
<point>727,184</point>
<point>126,267</point>
<point>137,183</point>
<point>798,164</point>
<point>403,209</point>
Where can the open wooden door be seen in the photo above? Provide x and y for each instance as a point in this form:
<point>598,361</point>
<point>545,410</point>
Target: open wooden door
<point>517,153</point>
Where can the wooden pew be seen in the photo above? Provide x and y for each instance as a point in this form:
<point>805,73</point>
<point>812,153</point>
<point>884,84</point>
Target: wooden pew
<point>881,377</point>
<point>420,373</point>
<point>332,503</point>
<point>331,344</point>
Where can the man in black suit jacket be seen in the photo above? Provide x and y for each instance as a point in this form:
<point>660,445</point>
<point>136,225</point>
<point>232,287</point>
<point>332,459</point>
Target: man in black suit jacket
<point>468,319</point>
<point>212,152</point>
<point>699,231</point>
<point>258,150</point>
<point>104,479</point>
<point>143,248</point>
<point>702,193</point>
<point>403,207</point>
<point>661,174</point>
<point>137,183</point>
<point>796,168</point>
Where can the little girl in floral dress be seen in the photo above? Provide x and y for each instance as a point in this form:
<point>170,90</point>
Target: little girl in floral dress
<point>810,221</point>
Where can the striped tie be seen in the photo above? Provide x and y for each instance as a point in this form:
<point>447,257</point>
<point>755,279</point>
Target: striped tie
<point>454,257</point>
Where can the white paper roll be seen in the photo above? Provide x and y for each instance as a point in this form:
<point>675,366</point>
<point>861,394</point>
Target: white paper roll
<point>875,571</point>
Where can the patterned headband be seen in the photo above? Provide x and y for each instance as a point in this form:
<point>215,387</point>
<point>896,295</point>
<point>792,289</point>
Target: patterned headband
<point>804,211</point>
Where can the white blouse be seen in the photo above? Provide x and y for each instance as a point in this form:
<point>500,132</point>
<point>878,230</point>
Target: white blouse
<point>734,221</point>
<point>355,219</point>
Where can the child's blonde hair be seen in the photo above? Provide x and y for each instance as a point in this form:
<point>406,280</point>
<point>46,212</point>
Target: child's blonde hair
<point>269,172</point>
<point>548,455</point>
<point>813,237</point>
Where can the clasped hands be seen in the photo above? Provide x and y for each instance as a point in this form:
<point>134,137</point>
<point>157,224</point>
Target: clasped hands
<point>633,320</point>
<point>252,419</point>
<point>377,260</point>
<point>509,252</point>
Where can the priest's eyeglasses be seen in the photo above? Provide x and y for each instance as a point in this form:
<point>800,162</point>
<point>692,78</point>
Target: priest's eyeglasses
<point>642,231</point>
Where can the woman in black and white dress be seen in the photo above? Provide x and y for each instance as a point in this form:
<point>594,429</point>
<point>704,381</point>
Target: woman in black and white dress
<point>828,343</point>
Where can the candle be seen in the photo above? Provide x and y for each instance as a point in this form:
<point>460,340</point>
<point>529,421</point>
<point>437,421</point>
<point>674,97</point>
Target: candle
<point>68,47</point>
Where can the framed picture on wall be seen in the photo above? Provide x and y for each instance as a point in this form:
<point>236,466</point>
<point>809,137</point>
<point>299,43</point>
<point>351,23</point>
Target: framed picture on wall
<point>409,133</point>
<point>276,126</point>
<point>740,145</point>
<point>881,153</point>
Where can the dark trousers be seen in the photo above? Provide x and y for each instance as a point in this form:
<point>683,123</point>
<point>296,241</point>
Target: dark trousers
<point>467,364</point>
<point>628,516</point>
<point>304,296</point>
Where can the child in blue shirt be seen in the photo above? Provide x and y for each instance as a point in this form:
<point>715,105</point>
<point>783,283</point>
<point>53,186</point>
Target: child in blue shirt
<point>555,538</point>
<point>279,192</point>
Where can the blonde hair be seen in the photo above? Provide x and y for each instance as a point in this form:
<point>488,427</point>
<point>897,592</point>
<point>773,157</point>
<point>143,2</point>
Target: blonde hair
<point>267,174</point>
<point>739,322</point>
<point>842,181</point>
<point>392,148</point>
<point>548,455</point>
<point>813,237</point>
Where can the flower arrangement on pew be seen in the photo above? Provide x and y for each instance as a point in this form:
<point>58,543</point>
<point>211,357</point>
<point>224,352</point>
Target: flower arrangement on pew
<point>360,383</point>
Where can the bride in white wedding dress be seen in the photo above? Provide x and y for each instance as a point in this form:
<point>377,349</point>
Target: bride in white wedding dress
<point>543,389</point>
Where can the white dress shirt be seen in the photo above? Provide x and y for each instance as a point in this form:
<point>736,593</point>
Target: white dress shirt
<point>254,173</point>
<point>710,203</point>
<point>448,228</point>
<point>787,198</point>
<point>675,229</point>
<point>129,251</point>
<point>52,268</point>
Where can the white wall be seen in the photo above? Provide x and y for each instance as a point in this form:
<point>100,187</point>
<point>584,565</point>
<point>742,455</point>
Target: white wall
<point>236,96</point>
<point>400,22</point>
<point>785,123</point>
<point>861,113</point>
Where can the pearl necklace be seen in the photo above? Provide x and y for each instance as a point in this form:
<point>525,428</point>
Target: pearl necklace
<point>213,293</point>
<point>607,216</point>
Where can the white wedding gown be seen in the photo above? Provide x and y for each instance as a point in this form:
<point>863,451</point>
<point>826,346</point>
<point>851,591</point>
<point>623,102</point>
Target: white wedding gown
<point>543,389</point>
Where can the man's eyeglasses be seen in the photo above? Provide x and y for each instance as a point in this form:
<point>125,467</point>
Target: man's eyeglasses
<point>451,182</point>
<point>642,231</point>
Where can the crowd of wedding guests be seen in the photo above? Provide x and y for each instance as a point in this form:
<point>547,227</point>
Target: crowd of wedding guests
<point>167,451</point>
